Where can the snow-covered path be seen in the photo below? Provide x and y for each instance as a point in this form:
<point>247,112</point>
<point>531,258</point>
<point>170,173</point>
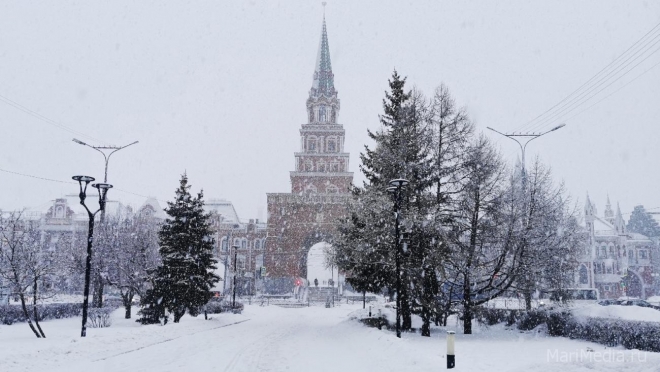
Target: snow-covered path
<point>276,339</point>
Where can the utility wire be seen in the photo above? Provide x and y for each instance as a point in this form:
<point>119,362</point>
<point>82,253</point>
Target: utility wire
<point>590,81</point>
<point>586,96</point>
<point>74,183</point>
<point>36,177</point>
<point>618,89</point>
<point>37,115</point>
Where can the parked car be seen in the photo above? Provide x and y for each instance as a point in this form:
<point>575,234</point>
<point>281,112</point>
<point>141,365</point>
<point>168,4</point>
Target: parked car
<point>637,302</point>
<point>608,302</point>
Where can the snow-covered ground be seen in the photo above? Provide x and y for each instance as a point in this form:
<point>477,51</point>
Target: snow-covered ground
<point>303,339</point>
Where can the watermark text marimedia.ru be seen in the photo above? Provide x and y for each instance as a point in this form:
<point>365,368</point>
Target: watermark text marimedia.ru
<point>589,355</point>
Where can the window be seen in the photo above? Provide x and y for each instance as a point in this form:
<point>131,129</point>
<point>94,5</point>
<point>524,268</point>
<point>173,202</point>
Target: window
<point>320,167</point>
<point>331,189</point>
<point>244,243</point>
<point>334,167</point>
<point>259,261</point>
<point>311,144</point>
<point>308,166</point>
<point>332,146</point>
<point>237,242</point>
<point>584,275</point>
<point>642,254</point>
<point>224,244</point>
<point>257,244</point>
<point>322,117</point>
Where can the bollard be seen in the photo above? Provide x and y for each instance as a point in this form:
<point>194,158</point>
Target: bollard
<point>369,311</point>
<point>451,355</point>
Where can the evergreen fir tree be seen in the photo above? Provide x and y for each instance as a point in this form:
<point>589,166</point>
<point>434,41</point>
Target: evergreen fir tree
<point>184,280</point>
<point>642,222</point>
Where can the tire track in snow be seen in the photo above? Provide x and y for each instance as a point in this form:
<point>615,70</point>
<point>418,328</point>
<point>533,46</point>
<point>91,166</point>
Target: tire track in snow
<point>259,352</point>
<point>168,340</point>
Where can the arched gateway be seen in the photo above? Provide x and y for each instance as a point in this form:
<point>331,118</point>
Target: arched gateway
<point>317,266</point>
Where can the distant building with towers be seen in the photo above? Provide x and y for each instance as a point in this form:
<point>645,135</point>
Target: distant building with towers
<point>616,262</point>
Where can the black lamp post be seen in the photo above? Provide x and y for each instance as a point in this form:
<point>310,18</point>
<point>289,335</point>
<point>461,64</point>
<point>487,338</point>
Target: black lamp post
<point>395,188</point>
<point>103,190</point>
<point>233,300</point>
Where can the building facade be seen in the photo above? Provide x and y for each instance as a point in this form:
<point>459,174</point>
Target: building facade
<point>616,262</point>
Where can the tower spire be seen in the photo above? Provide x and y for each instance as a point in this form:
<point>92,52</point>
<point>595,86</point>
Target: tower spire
<point>323,83</point>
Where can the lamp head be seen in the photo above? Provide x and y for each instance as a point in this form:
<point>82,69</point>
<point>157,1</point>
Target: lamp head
<point>558,127</point>
<point>399,182</point>
<point>86,179</point>
<point>79,142</point>
<point>391,189</point>
<point>102,186</point>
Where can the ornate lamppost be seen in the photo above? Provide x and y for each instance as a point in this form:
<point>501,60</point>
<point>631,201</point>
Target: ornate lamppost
<point>103,190</point>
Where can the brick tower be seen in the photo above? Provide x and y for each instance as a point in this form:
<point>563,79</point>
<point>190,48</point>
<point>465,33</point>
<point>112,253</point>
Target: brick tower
<point>319,184</point>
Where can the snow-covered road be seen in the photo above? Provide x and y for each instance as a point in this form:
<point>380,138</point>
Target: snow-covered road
<point>306,339</point>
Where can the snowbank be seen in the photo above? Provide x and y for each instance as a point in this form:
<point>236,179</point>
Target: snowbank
<point>617,312</point>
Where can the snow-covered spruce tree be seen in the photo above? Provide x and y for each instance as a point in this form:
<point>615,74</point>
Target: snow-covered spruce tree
<point>186,276</point>
<point>642,222</point>
<point>366,247</point>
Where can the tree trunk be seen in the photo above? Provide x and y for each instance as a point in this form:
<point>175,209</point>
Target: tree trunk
<point>528,300</point>
<point>127,299</point>
<point>406,316</point>
<point>178,314</point>
<point>27,315</point>
<point>364,299</point>
<point>426,321</point>
<point>467,319</point>
<point>467,307</point>
<point>34,309</point>
<point>97,293</point>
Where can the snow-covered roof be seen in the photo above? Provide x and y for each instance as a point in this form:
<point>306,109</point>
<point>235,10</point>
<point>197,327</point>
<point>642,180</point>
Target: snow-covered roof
<point>224,208</point>
<point>602,227</point>
<point>153,203</point>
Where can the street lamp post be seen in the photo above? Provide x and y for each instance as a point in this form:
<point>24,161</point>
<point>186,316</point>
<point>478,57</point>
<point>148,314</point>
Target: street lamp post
<point>106,156</point>
<point>527,138</point>
<point>233,300</point>
<point>103,190</point>
<point>395,188</point>
<point>106,151</point>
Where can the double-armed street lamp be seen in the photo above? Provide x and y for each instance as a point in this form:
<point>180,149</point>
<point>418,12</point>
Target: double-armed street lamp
<point>103,190</point>
<point>106,156</point>
<point>396,186</point>
<point>526,138</point>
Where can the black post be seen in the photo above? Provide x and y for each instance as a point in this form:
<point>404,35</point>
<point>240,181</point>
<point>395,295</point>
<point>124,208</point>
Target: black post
<point>233,301</point>
<point>398,265</point>
<point>103,189</point>
<point>88,269</point>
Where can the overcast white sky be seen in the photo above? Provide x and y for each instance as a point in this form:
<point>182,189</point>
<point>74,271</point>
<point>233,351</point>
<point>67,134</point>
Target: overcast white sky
<point>218,88</point>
